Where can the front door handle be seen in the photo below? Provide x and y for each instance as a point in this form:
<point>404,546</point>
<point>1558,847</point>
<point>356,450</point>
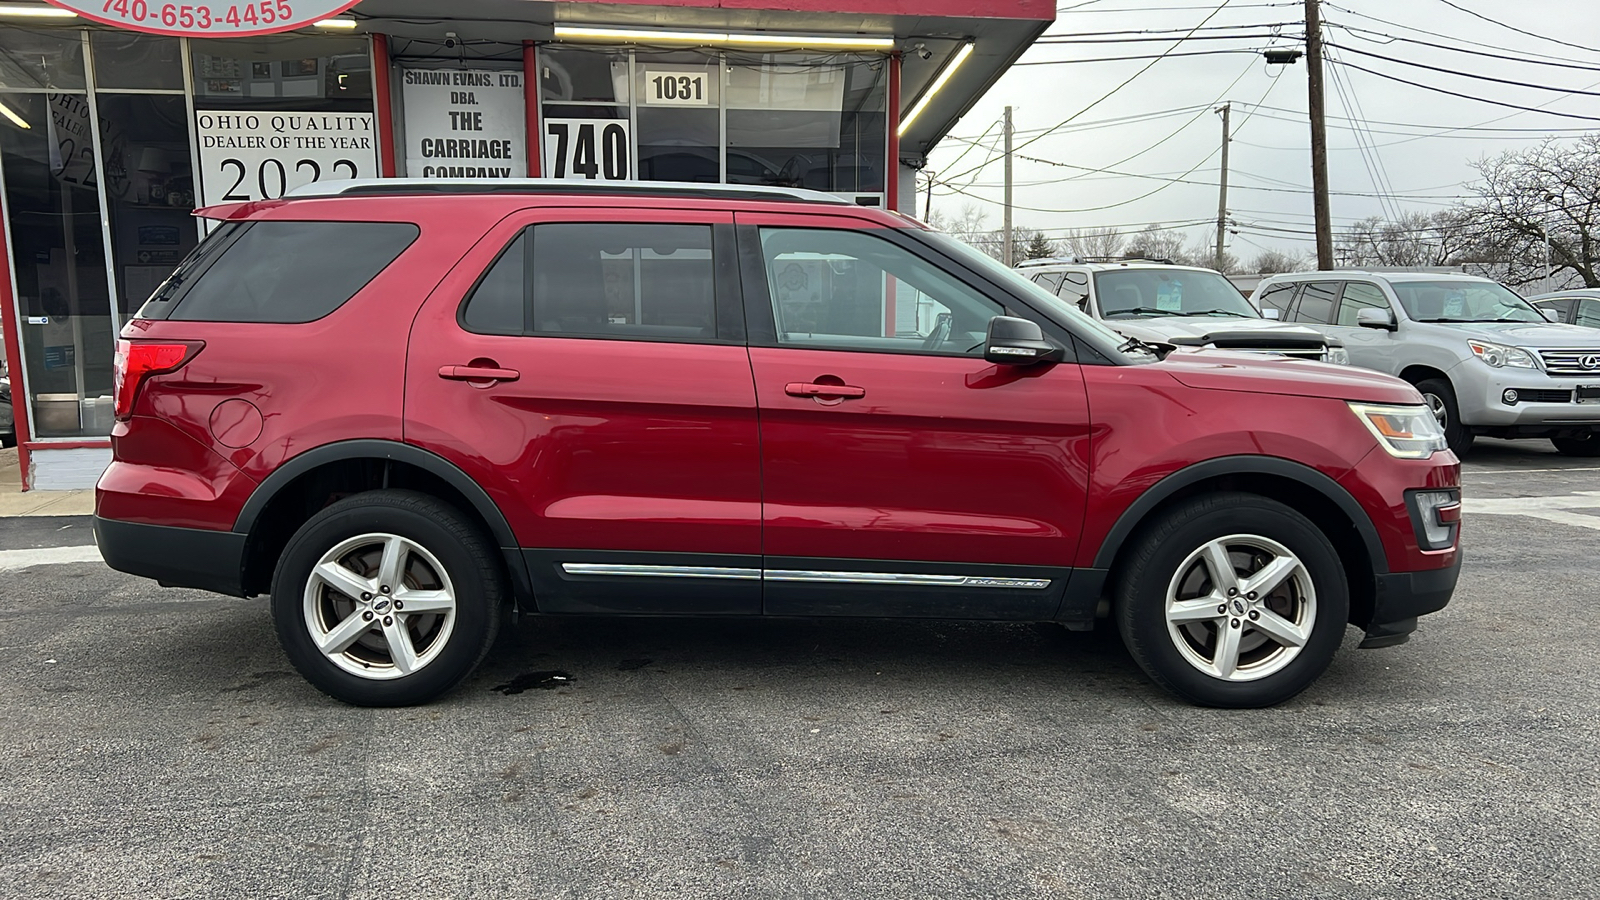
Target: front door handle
<point>478,373</point>
<point>812,389</point>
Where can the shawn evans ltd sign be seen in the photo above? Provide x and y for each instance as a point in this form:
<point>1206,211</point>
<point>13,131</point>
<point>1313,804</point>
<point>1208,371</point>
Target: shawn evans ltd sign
<point>465,124</point>
<point>218,18</point>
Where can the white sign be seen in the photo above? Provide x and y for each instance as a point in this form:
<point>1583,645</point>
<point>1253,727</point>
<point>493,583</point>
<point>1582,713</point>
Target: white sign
<point>588,149</point>
<point>469,124</point>
<point>215,19</point>
<point>262,156</point>
<point>676,88</point>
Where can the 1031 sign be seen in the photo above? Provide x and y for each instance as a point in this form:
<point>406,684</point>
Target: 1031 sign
<point>588,149</point>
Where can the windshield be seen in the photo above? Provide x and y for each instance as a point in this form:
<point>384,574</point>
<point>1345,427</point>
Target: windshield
<point>1104,339</point>
<point>1148,291</point>
<point>1463,301</point>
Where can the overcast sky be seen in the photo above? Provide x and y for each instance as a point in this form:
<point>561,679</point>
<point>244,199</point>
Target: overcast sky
<point>1407,160</point>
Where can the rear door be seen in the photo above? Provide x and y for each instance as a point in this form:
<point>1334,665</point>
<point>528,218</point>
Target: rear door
<point>902,474</point>
<point>588,368</point>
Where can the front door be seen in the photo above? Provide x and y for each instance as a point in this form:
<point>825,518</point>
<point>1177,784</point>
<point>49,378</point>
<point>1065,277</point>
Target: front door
<point>588,369</point>
<point>902,474</point>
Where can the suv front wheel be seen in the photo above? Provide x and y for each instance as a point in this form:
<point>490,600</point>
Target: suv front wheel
<point>1441,399</point>
<point>387,598</point>
<point>1233,600</point>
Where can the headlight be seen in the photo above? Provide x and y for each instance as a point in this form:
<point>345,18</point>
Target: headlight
<point>1339,356</point>
<point>1499,355</point>
<point>1407,432</point>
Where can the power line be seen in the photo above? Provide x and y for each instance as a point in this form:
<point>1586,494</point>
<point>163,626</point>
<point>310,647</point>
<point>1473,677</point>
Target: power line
<point>1446,37</point>
<point>1440,90</point>
<point>1057,42</point>
<point>1253,51</point>
<point>1362,33</point>
<point>1532,34</point>
<point>1154,31</point>
<point>1526,84</point>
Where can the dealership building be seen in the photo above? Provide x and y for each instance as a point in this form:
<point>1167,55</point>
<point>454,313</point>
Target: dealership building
<point>118,118</point>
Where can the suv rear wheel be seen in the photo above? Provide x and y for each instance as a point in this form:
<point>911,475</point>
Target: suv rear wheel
<point>387,598</point>
<point>1441,398</point>
<point>1584,446</point>
<point>1233,600</point>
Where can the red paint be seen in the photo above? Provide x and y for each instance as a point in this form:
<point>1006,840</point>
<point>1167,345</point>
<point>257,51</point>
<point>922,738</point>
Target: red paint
<point>892,170</point>
<point>383,96</point>
<point>10,325</point>
<point>101,444</point>
<point>534,118</point>
<point>94,10</point>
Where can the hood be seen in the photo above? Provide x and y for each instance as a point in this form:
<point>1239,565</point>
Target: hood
<point>1525,334</point>
<point>1165,328</point>
<point>1221,370</point>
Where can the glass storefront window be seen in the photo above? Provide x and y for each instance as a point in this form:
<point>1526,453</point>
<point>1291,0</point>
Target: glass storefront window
<point>57,253</point>
<point>139,62</point>
<point>814,122</point>
<point>575,74</point>
<point>149,190</point>
<point>33,60</point>
<point>679,95</point>
<point>295,72</point>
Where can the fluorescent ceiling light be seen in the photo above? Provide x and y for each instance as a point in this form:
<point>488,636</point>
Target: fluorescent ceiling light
<point>36,12</point>
<point>944,76</point>
<point>339,23</point>
<point>11,114</point>
<point>722,38</point>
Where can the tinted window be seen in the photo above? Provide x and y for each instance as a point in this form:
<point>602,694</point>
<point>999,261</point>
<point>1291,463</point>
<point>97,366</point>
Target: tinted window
<point>613,280</point>
<point>1316,302</point>
<point>292,271</point>
<point>1359,296</point>
<point>499,304</point>
<point>1588,313</point>
<point>1050,281</point>
<point>1277,297</point>
<point>852,291</point>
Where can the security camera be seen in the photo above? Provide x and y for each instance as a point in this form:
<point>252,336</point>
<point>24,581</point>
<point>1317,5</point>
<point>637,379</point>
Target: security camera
<point>922,51</point>
<point>449,40</point>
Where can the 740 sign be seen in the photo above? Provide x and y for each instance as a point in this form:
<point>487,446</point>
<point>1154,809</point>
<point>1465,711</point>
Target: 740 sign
<point>217,19</point>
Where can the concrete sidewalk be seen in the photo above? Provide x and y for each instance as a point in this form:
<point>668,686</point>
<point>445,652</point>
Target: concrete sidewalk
<point>15,502</point>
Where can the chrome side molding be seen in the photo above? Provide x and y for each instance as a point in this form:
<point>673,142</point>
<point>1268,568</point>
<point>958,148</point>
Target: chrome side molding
<point>906,579</point>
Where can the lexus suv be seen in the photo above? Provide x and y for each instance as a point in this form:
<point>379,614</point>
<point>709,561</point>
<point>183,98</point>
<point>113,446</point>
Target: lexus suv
<point>404,408</point>
<point>1158,302</point>
<point>1487,362</point>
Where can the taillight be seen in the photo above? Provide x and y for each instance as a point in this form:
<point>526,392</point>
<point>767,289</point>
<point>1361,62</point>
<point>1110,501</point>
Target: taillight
<point>138,360</point>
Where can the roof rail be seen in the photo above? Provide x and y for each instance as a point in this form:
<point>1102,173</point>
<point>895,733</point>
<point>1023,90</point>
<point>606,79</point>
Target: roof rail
<point>402,186</point>
<point>1049,261</point>
<point>1129,258</point>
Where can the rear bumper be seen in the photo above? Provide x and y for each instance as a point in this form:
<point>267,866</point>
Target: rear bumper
<point>1404,596</point>
<point>175,557</point>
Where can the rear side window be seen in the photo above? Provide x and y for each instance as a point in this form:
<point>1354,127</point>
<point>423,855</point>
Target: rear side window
<point>1316,303</point>
<point>291,272</point>
<point>1277,297</point>
<point>638,281</point>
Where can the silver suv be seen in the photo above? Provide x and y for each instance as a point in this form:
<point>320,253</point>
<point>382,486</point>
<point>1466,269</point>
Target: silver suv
<point>1158,302</point>
<point>1486,361</point>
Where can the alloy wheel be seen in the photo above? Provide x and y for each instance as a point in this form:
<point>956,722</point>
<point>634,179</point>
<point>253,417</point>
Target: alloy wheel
<point>379,606</point>
<point>1241,607</point>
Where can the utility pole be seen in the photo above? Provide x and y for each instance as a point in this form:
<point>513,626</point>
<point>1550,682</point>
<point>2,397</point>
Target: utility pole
<point>1319,135</point>
<point>1006,228</point>
<point>927,205</point>
<point>1222,197</point>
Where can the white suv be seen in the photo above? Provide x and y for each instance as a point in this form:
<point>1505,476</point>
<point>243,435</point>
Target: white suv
<point>1486,360</point>
<point>1158,302</point>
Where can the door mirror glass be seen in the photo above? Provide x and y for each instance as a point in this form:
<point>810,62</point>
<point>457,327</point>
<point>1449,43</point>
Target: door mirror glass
<point>1550,314</point>
<point>1017,342</point>
<point>1270,313</point>
<point>1375,318</point>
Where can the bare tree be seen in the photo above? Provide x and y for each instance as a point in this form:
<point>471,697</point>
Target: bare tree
<point>1537,197</point>
<point>1271,262</point>
<point>1093,242</point>
<point>1443,238</point>
<point>1155,242</point>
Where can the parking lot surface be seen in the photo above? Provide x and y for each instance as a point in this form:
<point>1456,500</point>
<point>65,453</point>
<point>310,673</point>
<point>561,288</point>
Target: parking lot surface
<point>156,743</point>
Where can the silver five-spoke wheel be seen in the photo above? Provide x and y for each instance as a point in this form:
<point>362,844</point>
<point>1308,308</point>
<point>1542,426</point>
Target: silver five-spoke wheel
<point>1241,607</point>
<point>380,606</point>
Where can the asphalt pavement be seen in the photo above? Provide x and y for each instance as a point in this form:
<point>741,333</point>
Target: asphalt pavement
<point>157,744</point>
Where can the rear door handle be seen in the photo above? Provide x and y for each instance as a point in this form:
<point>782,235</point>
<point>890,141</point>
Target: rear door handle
<point>810,389</point>
<point>478,373</point>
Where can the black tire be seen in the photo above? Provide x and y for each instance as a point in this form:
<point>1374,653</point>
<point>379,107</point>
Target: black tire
<point>451,647</point>
<point>1585,446</point>
<point>1166,545</point>
<point>1456,433</point>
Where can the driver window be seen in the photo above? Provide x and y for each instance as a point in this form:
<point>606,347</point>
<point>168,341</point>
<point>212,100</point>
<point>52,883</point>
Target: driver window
<point>848,290</point>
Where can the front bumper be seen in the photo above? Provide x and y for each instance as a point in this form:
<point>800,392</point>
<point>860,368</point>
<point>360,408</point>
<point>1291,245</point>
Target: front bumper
<point>174,557</point>
<point>1404,596</point>
<point>1480,390</point>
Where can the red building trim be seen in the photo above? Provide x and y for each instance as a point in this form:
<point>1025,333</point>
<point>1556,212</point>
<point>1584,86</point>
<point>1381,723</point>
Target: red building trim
<point>92,444</point>
<point>530,94</point>
<point>383,100</point>
<point>892,170</point>
<point>1039,10</point>
<point>19,388</point>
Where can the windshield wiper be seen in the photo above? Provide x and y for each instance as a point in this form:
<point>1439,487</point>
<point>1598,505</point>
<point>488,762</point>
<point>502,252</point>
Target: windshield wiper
<point>1450,321</point>
<point>1134,343</point>
<point>1141,311</point>
<point>1215,312</point>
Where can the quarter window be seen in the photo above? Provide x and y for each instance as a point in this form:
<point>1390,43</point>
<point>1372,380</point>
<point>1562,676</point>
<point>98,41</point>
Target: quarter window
<point>847,290</point>
<point>1316,303</point>
<point>1277,297</point>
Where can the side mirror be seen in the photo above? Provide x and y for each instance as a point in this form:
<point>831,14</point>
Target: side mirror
<point>1550,314</point>
<point>1270,313</point>
<point>1017,342</point>
<point>1376,318</point>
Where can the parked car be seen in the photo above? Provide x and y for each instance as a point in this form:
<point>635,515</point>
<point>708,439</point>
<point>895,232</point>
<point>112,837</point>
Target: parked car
<point>1158,302</point>
<point>1575,307</point>
<point>401,407</point>
<point>1485,360</point>
<point>8,415</point>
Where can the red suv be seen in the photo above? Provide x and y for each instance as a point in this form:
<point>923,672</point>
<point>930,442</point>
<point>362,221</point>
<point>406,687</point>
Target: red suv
<point>401,407</point>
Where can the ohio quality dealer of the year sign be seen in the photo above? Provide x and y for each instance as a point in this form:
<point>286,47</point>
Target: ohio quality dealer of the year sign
<point>218,18</point>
